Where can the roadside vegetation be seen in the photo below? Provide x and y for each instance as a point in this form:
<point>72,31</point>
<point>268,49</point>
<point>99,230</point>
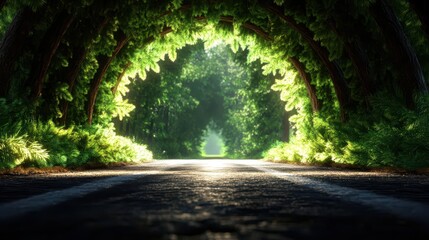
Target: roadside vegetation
<point>34,143</point>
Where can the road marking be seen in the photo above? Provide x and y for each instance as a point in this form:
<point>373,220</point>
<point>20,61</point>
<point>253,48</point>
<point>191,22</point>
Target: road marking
<point>402,208</point>
<point>23,206</point>
<point>49,199</point>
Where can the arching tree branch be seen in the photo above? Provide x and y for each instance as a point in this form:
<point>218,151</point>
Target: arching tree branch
<point>250,26</point>
<point>103,65</point>
<point>311,88</point>
<point>411,75</point>
<point>48,47</point>
<point>336,74</point>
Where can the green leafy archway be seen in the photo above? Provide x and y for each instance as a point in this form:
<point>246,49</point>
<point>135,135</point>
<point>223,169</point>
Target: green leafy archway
<point>350,69</point>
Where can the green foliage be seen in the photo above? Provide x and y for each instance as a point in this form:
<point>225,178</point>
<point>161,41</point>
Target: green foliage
<point>8,12</point>
<point>392,136</point>
<point>380,130</point>
<point>204,86</point>
<point>18,149</point>
<point>80,146</point>
<point>41,144</point>
<point>254,118</point>
<point>172,108</point>
<point>396,136</point>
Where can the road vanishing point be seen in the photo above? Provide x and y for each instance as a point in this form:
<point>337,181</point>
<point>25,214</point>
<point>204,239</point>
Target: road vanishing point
<point>215,199</point>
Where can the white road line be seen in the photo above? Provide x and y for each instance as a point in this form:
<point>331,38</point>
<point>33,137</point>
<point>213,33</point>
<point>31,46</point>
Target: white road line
<point>49,199</point>
<point>402,208</point>
<point>23,206</point>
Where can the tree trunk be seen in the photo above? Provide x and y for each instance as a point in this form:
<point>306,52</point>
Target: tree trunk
<point>12,45</point>
<point>48,47</point>
<point>411,77</point>
<point>79,55</point>
<point>119,79</point>
<point>72,71</point>
<point>311,89</point>
<point>336,74</point>
<point>286,127</point>
<point>103,65</point>
<point>421,8</point>
<point>70,76</point>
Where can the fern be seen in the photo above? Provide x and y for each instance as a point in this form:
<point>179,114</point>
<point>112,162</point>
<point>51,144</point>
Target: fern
<point>16,150</point>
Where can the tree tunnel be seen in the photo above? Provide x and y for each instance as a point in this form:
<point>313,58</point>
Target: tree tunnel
<point>206,90</point>
<point>353,74</point>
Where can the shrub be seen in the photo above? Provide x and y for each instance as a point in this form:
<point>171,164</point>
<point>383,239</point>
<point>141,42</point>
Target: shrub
<point>16,150</point>
<point>43,144</point>
<point>391,136</point>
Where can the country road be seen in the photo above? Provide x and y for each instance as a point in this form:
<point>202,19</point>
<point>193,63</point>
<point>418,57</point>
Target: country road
<point>215,199</point>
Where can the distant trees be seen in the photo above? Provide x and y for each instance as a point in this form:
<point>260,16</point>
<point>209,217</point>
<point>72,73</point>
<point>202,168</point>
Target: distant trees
<point>175,107</point>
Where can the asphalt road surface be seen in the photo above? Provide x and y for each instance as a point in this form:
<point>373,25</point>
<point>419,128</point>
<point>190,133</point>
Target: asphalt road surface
<point>215,199</point>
